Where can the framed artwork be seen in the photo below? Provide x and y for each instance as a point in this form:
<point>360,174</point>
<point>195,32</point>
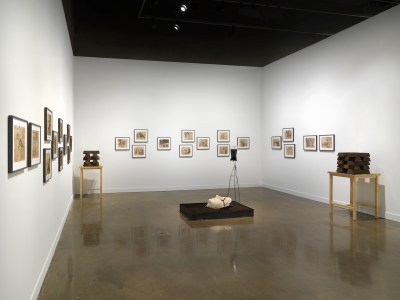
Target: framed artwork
<point>276,142</point>
<point>138,151</point>
<point>223,150</point>
<point>290,150</point>
<point>54,145</point>
<point>310,143</point>
<point>327,142</point>
<point>48,124</point>
<point>122,143</point>
<point>34,144</point>
<point>141,135</point>
<point>17,144</point>
<point>65,143</point>
<point>243,143</point>
<point>70,142</point>
<point>46,164</point>
<point>163,143</point>
<point>68,132</point>
<point>187,136</point>
<point>288,134</point>
<point>203,143</point>
<point>185,150</point>
<point>60,158</point>
<point>68,154</point>
<point>60,130</point>
<point>223,136</point>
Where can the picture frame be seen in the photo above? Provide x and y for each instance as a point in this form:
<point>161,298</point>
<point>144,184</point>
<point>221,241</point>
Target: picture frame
<point>223,150</point>
<point>60,158</point>
<point>60,130</point>
<point>276,142</point>
<point>48,124</point>
<point>17,144</point>
<point>288,134</point>
<point>188,136</point>
<point>203,143</point>
<point>163,143</point>
<point>138,151</point>
<point>34,144</point>
<point>68,154</point>
<point>310,143</point>
<point>185,150</point>
<point>223,136</point>
<point>68,132</point>
<point>65,143</point>
<point>70,142</point>
<point>290,151</point>
<point>243,143</point>
<point>54,145</point>
<point>327,142</point>
<point>122,143</point>
<point>46,164</point>
<point>141,135</point>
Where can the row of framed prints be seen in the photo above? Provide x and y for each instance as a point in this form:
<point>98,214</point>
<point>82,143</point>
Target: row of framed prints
<point>24,144</point>
<point>185,150</point>
<point>326,142</point>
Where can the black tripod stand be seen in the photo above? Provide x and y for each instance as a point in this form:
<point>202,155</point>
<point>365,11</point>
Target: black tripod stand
<point>235,181</point>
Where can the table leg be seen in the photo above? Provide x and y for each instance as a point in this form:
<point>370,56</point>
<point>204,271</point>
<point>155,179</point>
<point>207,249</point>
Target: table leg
<point>331,193</point>
<point>81,182</point>
<point>353,199</point>
<point>376,196</point>
<point>101,183</point>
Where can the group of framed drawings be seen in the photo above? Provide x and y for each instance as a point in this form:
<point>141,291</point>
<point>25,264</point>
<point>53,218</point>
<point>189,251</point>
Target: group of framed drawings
<point>310,142</point>
<point>140,136</point>
<point>24,144</point>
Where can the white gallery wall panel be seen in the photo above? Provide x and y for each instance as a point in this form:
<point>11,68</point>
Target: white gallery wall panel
<point>36,72</point>
<point>347,85</point>
<point>114,97</point>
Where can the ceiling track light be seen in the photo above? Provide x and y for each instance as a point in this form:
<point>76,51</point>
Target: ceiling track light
<point>183,7</point>
<point>176,27</point>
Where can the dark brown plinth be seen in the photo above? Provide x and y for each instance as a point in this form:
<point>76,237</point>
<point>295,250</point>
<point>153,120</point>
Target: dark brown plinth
<point>199,211</point>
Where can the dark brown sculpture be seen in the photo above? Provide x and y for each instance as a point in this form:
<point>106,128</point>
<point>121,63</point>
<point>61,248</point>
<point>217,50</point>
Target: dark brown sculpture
<point>353,163</point>
<point>91,158</point>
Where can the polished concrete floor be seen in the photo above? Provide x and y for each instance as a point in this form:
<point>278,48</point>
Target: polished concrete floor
<point>138,246</point>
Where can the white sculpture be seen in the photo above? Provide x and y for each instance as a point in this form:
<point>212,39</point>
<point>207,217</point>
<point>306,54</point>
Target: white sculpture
<point>218,202</point>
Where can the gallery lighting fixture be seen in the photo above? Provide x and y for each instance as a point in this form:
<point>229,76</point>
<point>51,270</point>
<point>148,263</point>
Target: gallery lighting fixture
<point>183,7</point>
<point>176,27</point>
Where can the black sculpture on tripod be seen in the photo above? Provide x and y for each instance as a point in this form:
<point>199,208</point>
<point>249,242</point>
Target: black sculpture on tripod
<point>234,176</point>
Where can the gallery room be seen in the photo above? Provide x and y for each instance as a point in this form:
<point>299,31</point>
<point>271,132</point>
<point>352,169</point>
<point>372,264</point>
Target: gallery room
<point>288,86</point>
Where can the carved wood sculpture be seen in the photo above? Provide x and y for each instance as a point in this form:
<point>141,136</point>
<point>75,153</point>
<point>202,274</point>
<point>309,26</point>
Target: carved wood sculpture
<point>353,163</point>
<point>91,158</point>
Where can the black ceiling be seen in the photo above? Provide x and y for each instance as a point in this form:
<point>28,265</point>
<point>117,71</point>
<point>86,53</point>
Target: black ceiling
<point>232,32</point>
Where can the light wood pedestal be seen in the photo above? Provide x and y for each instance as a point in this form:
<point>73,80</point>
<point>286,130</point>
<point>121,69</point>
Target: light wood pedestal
<point>353,192</point>
<point>100,168</point>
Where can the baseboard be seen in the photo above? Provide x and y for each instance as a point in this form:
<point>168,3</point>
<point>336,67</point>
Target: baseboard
<point>392,217</point>
<point>296,193</point>
<point>50,255</point>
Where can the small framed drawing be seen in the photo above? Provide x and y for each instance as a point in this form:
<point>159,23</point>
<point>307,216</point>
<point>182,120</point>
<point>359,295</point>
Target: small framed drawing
<point>276,142</point>
<point>138,151</point>
<point>70,142</point>
<point>187,136</point>
<point>203,143</point>
<point>288,134</point>
<point>290,150</point>
<point>60,158</point>
<point>68,132</point>
<point>310,143</point>
<point>163,143</point>
<point>34,144</point>
<point>60,130</point>
<point>17,144</point>
<point>54,145</point>
<point>68,154</point>
<point>327,142</point>
<point>243,143</point>
<point>122,143</point>
<point>46,164</point>
<point>223,150</point>
<point>141,135</point>
<point>65,143</point>
<point>223,136</point>
<point>48,124</point>
<point>185,150</point>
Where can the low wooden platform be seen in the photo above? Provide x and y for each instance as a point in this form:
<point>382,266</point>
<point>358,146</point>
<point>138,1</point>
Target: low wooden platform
<point>199,211</point>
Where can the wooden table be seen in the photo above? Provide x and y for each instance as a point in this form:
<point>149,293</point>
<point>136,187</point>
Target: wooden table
<point>353,191</point>
<point>100,168</point>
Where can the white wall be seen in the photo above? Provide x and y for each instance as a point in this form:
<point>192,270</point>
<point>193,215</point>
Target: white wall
<point>347,85</point>
<point>36,71</point>
<point>114,97</point>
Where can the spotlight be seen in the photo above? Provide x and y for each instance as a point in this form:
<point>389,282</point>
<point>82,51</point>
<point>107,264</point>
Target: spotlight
<point>176,26</point>
<point>183,7</point>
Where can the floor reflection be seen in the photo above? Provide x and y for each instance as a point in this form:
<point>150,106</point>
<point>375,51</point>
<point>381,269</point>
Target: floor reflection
<point>91,221</point>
